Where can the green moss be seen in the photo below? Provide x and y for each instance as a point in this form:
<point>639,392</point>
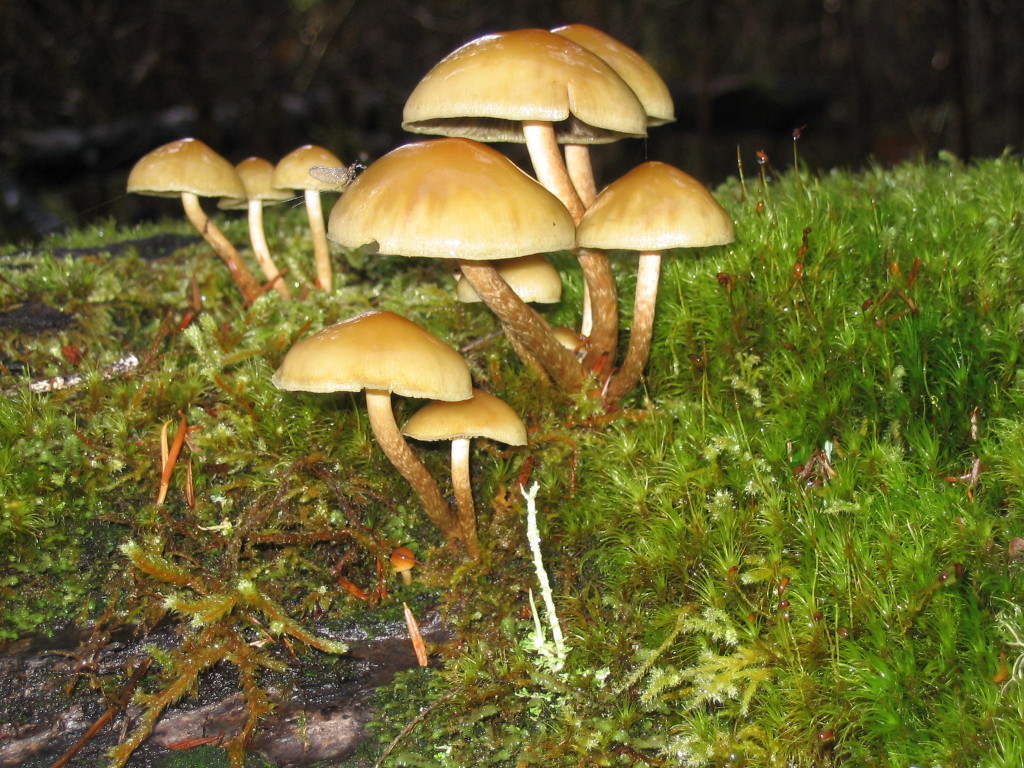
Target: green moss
<point>798,544</point>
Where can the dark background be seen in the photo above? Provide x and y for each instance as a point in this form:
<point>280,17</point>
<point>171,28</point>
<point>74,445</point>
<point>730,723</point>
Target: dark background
<point>88,87</point>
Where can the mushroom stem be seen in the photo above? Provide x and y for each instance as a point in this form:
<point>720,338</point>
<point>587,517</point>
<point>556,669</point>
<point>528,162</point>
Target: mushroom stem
<point>222,246</point>
<point>318,233</point>
<point>390,440</point>
<point>463,488</point>
<point>261,250</point>
<point>524,323</point>
<point>581,171</point>
<point>628,375</point>
<point>549,166</point>
<point>603,336</point>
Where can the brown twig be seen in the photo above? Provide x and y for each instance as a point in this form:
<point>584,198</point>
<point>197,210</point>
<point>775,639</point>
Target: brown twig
<point>120,703</point>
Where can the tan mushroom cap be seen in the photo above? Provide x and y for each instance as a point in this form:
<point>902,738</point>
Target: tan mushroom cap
<point>292,170</point>
<point>483,415</point>
<point>486,88</point>
<point>256,173</point>
<point>533,278</point>
<point>645,81</point>
<point>653,207</point>
<point>450,198</point>
<point>376,350</point>
<point>185,165</point>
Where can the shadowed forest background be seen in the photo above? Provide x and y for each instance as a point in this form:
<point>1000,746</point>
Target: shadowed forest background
<point>88,87</point>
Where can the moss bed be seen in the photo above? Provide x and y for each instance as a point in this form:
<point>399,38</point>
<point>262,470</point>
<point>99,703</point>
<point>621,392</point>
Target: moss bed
<point>799,544</point>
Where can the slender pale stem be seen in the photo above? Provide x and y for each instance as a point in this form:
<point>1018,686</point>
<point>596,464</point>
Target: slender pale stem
<point>463,487</point>
<point>318,233</point>
<point>261,250</point>
<point>522,322</point>
<point>549,166</point>
<point>628,375</point>
<point>390,440</point>
<point>222,246</point>
<point>581,171</point>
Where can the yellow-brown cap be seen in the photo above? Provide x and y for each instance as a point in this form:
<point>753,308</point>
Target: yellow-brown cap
<point>486,88</point>
<point>185,165</point>
<point>450,198</point>
<point>483,415</point>
<point>653,207</point>
<point>645,81</point>
<point>533,278</point>
<point>377,350</point>
<point>292,170</point>
<point>255,173</point>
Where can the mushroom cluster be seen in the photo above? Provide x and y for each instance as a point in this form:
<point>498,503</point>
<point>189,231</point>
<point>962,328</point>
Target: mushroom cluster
<point>190,169</point>
<point>574,87</point>
<point>456,198</point>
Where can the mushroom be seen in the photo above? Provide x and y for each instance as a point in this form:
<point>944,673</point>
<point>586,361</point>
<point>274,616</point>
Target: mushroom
<point>381,352</point>
<point>255,173</point>
<point>533,86</point>
<point>459,199</point>
<point>653,207</point>
<point>190,169</point>
<point>483,415</point>
<point>403,560</point>
<point>292,172</point>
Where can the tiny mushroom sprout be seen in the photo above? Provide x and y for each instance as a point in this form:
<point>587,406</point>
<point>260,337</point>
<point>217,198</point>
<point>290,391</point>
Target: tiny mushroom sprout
<point>652,208</point>
<point>483,415</point>
<point>190,169</point>
<point>255,173</point>
<point>542,89</point>
<point>403,560</point>
<point>381,352</point>
<point>292,172</point>
<point>459,199</point>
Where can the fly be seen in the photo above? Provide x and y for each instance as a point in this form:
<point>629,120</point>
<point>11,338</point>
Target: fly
<point>341,177</point>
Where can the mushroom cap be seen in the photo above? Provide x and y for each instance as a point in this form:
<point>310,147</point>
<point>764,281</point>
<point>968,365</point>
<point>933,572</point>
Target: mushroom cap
<point>486,88</point>
<point>402,559</point>
<point>450,198</point>
<point>631,67</point>
<point>292,170</point>
<point>533,278</point>
<point>653,207</point>
<point>185,165</point>
<point>255,173</point>
<point>376,350</point>
<point>483,415</point>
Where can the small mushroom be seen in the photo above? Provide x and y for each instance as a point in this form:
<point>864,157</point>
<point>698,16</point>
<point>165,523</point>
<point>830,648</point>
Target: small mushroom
<point>652,208</point>
<point>381,352</point>
<point>483,415</point>
<point>403,560</point>
<point>255,173</point>
<point>292,172</point>
<point>190,169</point>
